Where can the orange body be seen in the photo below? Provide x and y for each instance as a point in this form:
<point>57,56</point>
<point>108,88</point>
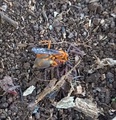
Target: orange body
<point>47,60</point>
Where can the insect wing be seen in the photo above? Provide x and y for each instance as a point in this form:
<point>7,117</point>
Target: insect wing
<point>44,51</point>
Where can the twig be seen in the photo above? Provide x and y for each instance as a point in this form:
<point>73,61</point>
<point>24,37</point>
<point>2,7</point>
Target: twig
<point>31,12</point>
<point>44,14</point>
<point>9,20</point>
<point>2,94</point>
<point>2,64</point>
<point>46,91</point>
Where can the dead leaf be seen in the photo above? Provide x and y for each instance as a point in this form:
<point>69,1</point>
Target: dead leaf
<point>87,107</point>
<point>29,90</point>
<point>65,103</point>
<point>7,85</point>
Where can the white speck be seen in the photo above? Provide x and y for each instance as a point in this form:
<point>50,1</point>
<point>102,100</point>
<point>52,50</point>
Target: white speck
<point>102,22</point>
<point>50,27</point>
<point>89,23</point>
<point>113,15</point>
<point>4,7</point>
<point>55,14</point>
<point>82,16</point>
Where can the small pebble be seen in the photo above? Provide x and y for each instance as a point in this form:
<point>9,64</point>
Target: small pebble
<point>27,65</point>
<point>112,35</point>
<point>50,27</point>
<point>14,109</point>
<point>37,115</point>
<point>1,70</point>
<point>107,96</point>
<point>3,105</point>
<point>110,77</point>
<point>9,112</point>
<point>36,27</point>
<point>113,104</point>
<point>10,100</point>
<point>93,6</point>
<point>2,117</point>
<point>71,35</point>
<point>55,14</point>
<point>96,21</point>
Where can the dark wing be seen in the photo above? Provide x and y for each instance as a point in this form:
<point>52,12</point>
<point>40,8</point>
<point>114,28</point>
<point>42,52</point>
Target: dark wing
<point>37,50</point>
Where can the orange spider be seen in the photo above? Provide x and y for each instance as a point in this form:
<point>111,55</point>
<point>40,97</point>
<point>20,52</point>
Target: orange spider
<point>47,57</point>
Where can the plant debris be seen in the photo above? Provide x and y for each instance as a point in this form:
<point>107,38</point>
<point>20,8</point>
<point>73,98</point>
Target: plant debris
<point>65,103</point>
<point>9,20</point>
<point>102,63</point>
<point>8,86</point>
<point>29,90</point>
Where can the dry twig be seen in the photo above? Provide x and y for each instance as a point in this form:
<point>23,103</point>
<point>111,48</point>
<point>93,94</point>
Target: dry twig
<point>9,20</point>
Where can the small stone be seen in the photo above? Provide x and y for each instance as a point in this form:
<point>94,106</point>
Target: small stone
<point>99,9</point>
<point>2,117</point>
<point>12,55</point>
<point>10,100</point>
<point>9,112</point>
<point>3,105</point>
<point>1,40</point>
<point>1,70</point>
<point>98,89</point>
<point>102,22</point>
<point>50,27</point>
<point>17,72</point>
<point>14,109</point>
<point>70,35</point>
<point>55,14</point>
<point>111,35</point>
<point>84,33</point>
<point>105,13</point>
<point>96,21</point>
<point>103,76</point>
<point>113,104</point>
<point>36,27</point>
<point>27,65</point>
<point>93,6</point>
<point>107,96</point>
<point>64,7</point>
<point>110,77</point>
<point>82,16</point>
<point>58,29</point>
<point>37,115</point>
<point>114,10</point>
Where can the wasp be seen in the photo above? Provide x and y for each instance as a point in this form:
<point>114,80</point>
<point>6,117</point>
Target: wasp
<point>46,57</point>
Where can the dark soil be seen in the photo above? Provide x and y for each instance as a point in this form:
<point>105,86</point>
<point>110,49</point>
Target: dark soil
<point>90,25</point>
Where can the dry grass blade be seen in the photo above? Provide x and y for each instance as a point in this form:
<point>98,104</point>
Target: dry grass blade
<point>87,107</point>
<point>47,90</point>
<point>9,20</point>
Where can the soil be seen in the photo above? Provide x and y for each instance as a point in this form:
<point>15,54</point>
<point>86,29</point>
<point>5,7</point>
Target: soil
<point>88,24</point>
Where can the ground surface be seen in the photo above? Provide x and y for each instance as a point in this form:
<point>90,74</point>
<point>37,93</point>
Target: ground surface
<point>90,25</point>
